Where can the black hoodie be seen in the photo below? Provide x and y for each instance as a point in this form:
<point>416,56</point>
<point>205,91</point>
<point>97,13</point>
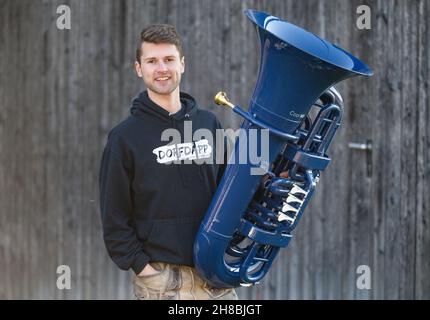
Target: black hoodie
<point>151,210</point>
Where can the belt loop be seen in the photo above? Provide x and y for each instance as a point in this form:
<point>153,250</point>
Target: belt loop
<point>192,284</point>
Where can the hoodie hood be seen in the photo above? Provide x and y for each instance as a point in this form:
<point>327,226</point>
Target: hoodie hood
<point>143,106</point>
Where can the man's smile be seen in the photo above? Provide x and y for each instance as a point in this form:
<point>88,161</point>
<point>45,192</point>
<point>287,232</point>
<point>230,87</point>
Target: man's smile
<point>164,78</point>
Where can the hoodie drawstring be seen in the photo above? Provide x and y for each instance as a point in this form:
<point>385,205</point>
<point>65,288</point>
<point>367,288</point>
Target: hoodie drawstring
<point>180,170</point>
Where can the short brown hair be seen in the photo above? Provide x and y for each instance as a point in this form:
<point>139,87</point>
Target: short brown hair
<point>159,33</point>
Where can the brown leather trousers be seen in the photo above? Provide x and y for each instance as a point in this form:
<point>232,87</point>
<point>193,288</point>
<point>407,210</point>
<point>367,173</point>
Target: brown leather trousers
<point>176,282</point>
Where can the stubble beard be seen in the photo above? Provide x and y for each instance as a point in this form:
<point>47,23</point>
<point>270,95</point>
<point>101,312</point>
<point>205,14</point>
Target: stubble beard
<point>162,90</point>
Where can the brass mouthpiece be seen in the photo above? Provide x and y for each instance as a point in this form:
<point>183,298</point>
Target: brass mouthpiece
<point>222,99</point>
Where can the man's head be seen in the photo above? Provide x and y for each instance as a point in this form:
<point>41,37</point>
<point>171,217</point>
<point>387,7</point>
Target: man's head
<point>159,58</point>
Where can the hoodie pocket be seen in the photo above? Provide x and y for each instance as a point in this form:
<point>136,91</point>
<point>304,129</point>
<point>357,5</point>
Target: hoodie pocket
<point>172,240</point>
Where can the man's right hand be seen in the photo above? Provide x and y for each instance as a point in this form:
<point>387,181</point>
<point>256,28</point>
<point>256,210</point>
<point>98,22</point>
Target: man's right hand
<point>148,271</point>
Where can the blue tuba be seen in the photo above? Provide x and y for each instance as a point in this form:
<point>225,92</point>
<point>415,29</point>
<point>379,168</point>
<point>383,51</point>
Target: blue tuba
<point>252,216</point>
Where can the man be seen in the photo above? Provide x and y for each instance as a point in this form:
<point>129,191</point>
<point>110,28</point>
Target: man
<point>152,206</point>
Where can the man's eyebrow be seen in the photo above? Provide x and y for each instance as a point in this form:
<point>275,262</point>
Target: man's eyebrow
<point>166,57</point>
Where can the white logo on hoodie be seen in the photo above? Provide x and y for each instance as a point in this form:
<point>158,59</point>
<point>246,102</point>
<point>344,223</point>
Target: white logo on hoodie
<point>183,151</point>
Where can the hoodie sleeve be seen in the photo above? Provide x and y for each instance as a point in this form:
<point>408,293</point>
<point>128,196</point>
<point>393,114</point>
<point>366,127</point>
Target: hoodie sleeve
<point>116,212</point>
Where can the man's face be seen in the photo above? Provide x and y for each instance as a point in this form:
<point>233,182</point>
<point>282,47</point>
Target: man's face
<point>160,67</point>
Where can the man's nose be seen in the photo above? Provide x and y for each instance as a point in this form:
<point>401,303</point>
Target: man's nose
<point>161,67</point>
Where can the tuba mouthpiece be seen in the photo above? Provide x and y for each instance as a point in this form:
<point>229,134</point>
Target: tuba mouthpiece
<point>222,99</point>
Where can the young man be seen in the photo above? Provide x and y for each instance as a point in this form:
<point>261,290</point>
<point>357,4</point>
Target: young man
<point>152,207</point>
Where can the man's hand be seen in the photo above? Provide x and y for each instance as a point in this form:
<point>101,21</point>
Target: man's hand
<point>284,174</point>
<point>148,271</point>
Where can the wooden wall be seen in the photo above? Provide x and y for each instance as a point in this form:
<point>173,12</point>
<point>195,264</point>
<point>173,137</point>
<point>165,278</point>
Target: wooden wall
<point>62,90</point>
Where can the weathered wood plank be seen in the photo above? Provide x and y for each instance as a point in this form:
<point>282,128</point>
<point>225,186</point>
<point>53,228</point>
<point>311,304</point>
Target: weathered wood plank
<point>422,241</point>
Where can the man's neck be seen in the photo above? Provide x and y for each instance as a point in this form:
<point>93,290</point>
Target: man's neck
<point>169,102</point>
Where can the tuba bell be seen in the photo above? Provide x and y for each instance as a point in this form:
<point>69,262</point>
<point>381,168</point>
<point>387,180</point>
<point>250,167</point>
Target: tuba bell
<point>252,216</point>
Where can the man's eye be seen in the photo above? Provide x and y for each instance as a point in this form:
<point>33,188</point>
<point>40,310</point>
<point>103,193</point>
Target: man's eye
<point>151,61</point>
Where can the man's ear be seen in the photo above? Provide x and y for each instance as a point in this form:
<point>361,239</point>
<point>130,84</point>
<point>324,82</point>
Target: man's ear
<point>138,69</point>
<point>183,64</point>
